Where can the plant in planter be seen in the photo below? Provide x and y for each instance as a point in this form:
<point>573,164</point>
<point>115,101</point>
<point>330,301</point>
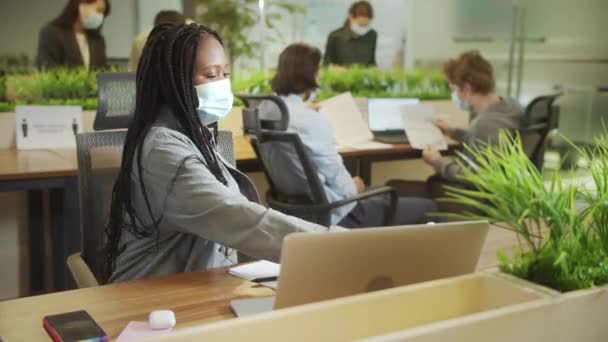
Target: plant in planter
<point>563,228</point>
<point>11,65</point>
<point>56,87</point>
<point>361,82</point>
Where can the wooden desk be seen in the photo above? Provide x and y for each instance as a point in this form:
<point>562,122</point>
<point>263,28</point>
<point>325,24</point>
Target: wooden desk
<point>34,164</point>
<point>196,298</point>
<point>35,171</point>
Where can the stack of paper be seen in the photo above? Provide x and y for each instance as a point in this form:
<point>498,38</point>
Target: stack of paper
<point>350,130</point>
<point>256,270</point>
<point>419,127</point>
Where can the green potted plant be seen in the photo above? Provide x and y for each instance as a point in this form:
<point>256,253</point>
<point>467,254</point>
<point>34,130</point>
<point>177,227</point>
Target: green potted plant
<point>13,64</point>
<point>56,87</point>
<point>361,82</point>
<point>563,228</point>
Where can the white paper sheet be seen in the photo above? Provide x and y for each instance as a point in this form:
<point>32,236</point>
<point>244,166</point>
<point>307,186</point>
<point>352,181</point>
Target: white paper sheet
<point>346,120</point>
<point>385,114</point>
<point>419,127</point>
<point>256,270</point>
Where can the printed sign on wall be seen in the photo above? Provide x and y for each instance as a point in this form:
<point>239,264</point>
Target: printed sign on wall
<point>43,127</point>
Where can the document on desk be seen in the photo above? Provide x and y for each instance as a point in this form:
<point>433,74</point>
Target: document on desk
<point>419,127</point>
<point>350,130</point>
<point>256,270</point>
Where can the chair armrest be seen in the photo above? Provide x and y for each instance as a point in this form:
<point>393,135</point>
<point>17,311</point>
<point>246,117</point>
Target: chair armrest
<point>391,211</point>
<point>363,195</point>
<point>81,272</point>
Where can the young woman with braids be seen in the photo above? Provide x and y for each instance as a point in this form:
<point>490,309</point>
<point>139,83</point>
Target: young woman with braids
<point>177,207</point>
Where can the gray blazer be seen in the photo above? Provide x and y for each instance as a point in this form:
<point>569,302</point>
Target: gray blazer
<point>199,215</point>
<point>58,47</point>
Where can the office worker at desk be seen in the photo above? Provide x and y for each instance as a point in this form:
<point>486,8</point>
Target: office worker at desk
<point>355,41</point>
<point>296,82</point>
<point>74,38</point>
<point>471,79</point>
<point>177,206</point>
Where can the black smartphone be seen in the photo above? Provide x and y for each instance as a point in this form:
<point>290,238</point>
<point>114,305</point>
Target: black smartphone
<point>73,326</point>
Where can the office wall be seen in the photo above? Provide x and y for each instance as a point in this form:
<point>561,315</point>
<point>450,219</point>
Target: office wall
<point>20,22</point>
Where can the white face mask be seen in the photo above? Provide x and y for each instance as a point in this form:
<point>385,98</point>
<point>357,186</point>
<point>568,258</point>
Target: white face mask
<point>214,100</point>
<point>461,104</point>
<point>360,30</point>
<point>92,21</point>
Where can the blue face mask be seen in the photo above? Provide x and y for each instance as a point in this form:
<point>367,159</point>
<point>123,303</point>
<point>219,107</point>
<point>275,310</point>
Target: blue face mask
<point>92,21</point>
<point>214,101</point>
<point>461,104</point>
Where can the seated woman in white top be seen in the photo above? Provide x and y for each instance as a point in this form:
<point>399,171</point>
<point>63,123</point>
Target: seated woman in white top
<point>295,82</point>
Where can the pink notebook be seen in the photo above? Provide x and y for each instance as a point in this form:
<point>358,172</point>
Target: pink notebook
<point>135,331</point>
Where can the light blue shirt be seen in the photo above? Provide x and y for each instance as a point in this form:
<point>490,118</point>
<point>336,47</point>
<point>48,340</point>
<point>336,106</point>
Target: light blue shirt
<point>317,135</point>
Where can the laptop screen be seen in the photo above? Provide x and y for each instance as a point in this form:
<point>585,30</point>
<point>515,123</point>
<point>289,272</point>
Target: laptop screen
<point>384,114</point>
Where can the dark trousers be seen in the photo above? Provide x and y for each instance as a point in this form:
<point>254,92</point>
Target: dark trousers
<point>433,189</point>
<point>371,212</point>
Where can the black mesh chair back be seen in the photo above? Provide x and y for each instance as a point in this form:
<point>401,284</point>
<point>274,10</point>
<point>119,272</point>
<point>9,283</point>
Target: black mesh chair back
<point>295,187</point>
<point>281,153</point>
<point>541,117</point>
<point>263,112</point>
<point>99,159</point>
<point>115,100</point>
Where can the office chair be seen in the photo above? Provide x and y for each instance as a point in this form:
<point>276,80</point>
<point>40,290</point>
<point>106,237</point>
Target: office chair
<point>282,153</point>
<point>541,117</point>
<point>99,158</point>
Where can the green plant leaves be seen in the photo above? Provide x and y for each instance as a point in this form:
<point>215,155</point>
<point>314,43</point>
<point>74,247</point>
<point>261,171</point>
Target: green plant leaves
<point>505,187</point>
<point>56,87</point>
<point>360,81</point>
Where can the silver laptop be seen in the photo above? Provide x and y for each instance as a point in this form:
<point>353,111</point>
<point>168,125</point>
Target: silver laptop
<point>317,267</point>
<point>385,119</point>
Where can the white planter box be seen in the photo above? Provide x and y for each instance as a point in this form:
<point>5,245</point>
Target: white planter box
<point>377,313</point>
<point>574,316</point>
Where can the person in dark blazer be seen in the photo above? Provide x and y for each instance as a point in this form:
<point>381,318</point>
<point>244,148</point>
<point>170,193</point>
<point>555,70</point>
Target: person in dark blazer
<point>74,38</point>
<point>355,41</point>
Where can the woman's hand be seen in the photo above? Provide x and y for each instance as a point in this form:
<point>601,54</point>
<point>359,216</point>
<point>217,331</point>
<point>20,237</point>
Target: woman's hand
<point>359,184</point>
<point>314,105</point>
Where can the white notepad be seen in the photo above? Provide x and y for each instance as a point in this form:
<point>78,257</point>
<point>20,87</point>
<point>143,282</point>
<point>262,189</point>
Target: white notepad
<point>256,270</point>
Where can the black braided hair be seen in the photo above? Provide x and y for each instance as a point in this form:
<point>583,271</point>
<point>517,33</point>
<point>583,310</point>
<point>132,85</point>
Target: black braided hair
<point>164,78</point>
